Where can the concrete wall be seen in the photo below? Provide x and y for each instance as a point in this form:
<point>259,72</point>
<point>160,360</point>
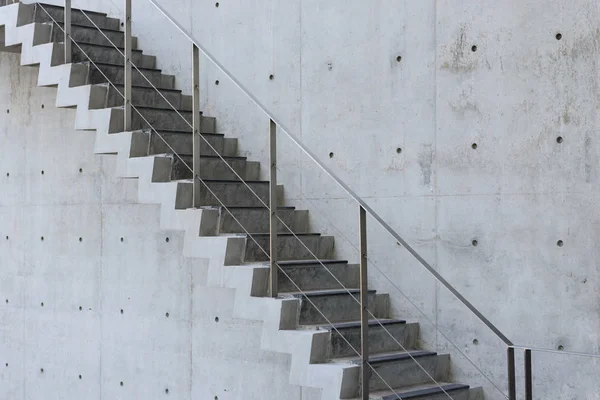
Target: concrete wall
<point>106,296</point>
<point>338,85</point>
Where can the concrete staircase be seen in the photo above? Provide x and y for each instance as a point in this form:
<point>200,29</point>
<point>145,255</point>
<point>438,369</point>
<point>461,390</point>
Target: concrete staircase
<point>295,323</point>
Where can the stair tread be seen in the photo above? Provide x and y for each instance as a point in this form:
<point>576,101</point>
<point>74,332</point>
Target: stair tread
<point>262,234</point>
<point>108,46</point>
<point>392,356</point>
<point>84,26</point>
<point>328,292</point>
<point>418,391</point>
<point>74,9</point>
<point>309,263</point>
<point>256,208</point>
<point>119,66</point>
<point>356,324</point>
<point>140,87</point>
<point>210,157</point>
<point>161,108</point>
<point>147,130</point>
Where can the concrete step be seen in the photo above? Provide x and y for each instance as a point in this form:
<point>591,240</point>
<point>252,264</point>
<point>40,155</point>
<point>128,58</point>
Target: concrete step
<point>102,73</point>
<point>109,55</point>
<point>229,193</point>
<point>290,247</point>
<point>346,336</point>
<point>213,167</point>
<point>325,306</point>
<point>148,97</point>
<point>401,369</point>
<point>169,120</point>
<point>87,34</point>
<point>311,275</point>
<point>161,142</point>
<point>257,220</point>
<point>77,17</point>
<point>429,391</point>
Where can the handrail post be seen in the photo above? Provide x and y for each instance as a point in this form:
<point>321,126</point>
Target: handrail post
<point>197,124</point>
<point>273,223</point>
<point>364,304</point>
<point>127,76</point>
<point>528,376</point>
<point>67,33</point>
<point>512,385</point>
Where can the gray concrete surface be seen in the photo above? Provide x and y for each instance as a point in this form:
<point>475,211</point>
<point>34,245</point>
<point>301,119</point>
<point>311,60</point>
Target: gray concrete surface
<point>122,304</point>
<point>337,83</point>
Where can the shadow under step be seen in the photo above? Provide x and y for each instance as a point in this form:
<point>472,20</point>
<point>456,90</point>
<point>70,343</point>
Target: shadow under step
<point>431,391</point>
<point>257,219</point>
<point>385,335</point>
<point>149,97</point>
<point>400,369</point>
<point>229,193</point>
<point>311,275</point>
<point>213,167</point>
<point>103,73</point>
<point>109,55</point>
<point>147,142</point>
<point>87,34</point>
<point>47,12</point>
<point>169,120</point>
<point>289,247</point>
<point>331,306</point>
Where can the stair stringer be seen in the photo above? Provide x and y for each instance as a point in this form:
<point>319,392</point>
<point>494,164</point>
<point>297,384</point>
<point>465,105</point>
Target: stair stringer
<point>225,253</point>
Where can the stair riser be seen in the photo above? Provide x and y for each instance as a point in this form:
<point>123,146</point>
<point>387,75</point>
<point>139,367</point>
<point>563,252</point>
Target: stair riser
<point>257,221</point>
<point>109,55</point>
<point>77,17</point>
<point>83,34</point>
<point>234,194</point>
<point>146,97</point>
<point>406,372</point>
<point>182,144</point>
<point>318,278</point>
<point>170,121</point>
<point>115,74</point>
<point>210,168</point>
<point>289,248</point>
<point>379,340</point>
<point>338,308</point>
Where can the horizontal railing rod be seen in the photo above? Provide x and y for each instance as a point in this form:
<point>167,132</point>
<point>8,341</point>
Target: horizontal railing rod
<point>310,154</point>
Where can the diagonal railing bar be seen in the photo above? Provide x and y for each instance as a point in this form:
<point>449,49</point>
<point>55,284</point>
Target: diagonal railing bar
<point>389,280</point>
<point>163,139</point>
<point>345,186</point>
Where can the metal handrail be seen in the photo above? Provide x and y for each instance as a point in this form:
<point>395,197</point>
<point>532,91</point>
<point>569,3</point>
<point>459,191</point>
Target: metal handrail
<point>347,188</point>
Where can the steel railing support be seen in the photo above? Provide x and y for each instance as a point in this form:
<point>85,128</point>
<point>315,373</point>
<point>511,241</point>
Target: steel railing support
<point>528,376</point>
<point>197,124</point>
<point>273,283</point>
<point>364,304</point>
<point>67,33</point>
<point>128,73</point>
<point>512,384</point>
